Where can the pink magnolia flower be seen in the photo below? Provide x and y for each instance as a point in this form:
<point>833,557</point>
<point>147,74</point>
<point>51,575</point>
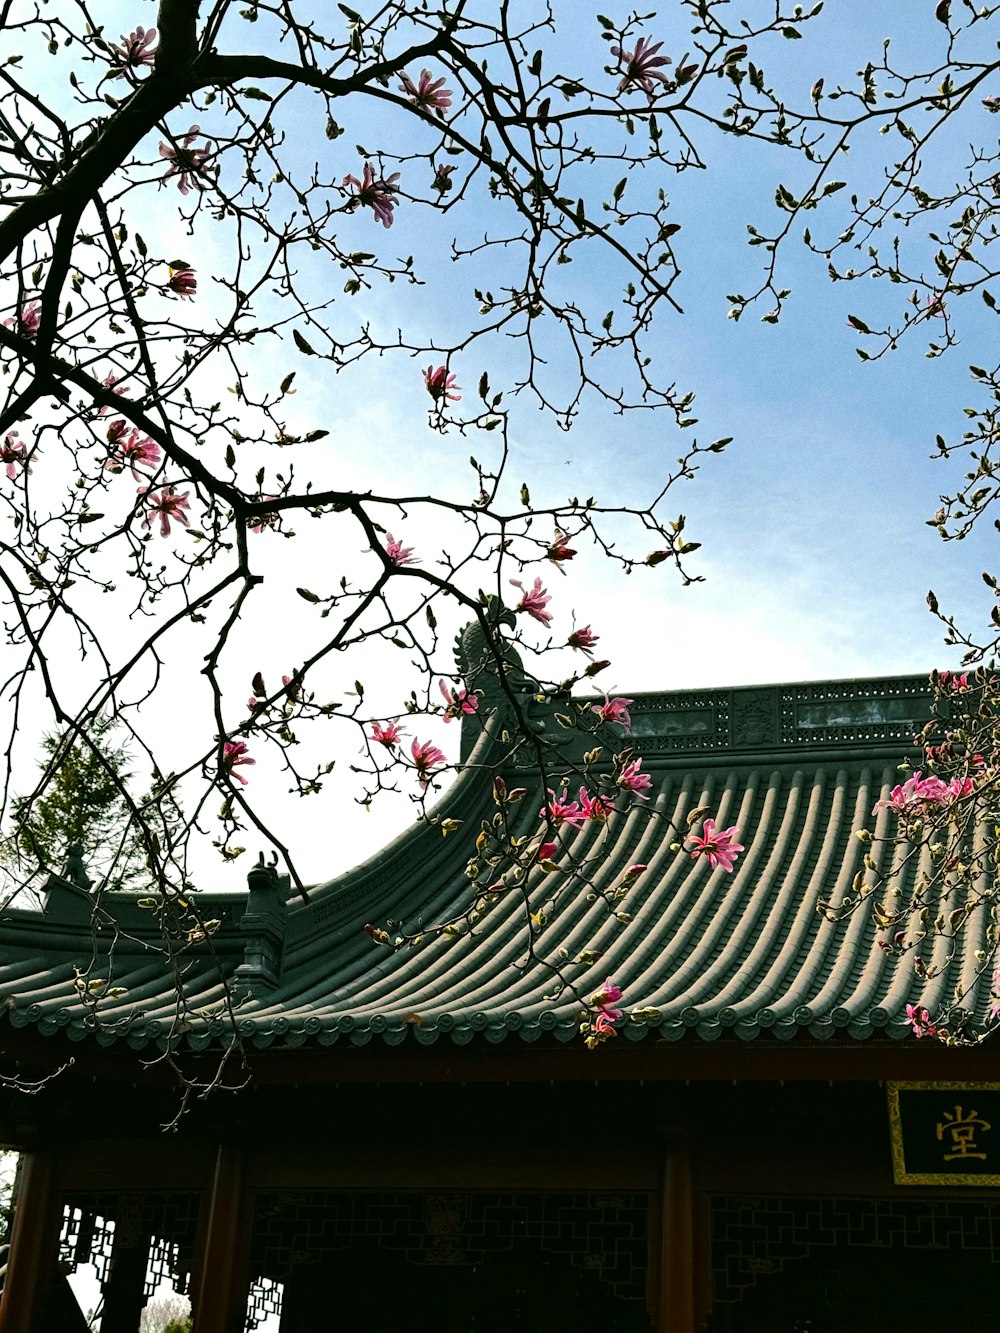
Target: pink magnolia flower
<point>534,601</point>
<point>595,807</point>
<point>547,851</point>
<point>440,384</point>
<point>109,383</point>
<point>183,283</point>
<point>27,321</point>
<point>186,162</point>
<point>373,192</point>
<point>169,505</point>
<point>607,1015</point>
<point>137,47</point>
<point>642,66</point>
<point>559,551</point>
<point>458,701</point>
<point>234,754</point>
<point>427,758</point>
<point>719,845</point>
<point>388,735</point>
<point>398,553</point>
<point>914,792</point>
<point>583,638</point>
<point>959,787</point>
<point>633,872</point>
<point>610,995</point>
<point>14,455</point>
<point>559,810</point>
<point>604,1023</point>
<point>134,450</point>
<point>615,710</point>
<point>429,94</point>
<point>953,681</point>
<point>630,779</point>
<point>919,1020</point>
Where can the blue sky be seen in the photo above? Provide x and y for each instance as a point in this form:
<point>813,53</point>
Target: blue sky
<point>815,554</point>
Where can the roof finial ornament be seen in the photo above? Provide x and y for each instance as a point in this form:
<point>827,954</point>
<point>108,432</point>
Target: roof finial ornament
<point>75,871</point>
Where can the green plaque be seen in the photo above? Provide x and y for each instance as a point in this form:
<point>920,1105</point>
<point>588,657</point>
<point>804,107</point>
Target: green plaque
<point>945,1133</point>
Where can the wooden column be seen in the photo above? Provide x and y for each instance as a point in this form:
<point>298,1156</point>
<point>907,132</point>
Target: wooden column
<point>31,1263</point>
<point>221,1270</point>
<point>123,1291</point>
<point>675,1305</point>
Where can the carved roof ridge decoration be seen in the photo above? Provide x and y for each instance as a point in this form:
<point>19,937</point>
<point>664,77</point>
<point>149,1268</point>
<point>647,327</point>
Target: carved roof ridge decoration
<point>882,711</point>
<point>705,954</point>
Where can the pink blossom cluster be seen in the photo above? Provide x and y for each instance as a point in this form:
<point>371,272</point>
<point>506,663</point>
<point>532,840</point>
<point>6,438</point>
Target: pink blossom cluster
<point>14,455</point>
<point>458,701</point>
<point>615,710</point>
<point>138,47</point>
<point>560,550</point>
<point>919,791</point>
<point>398,553</point>
<point>27,321</point>
<point>953,680</point>
<point>643,67</point>
<point>583,639</point>
<point>234,755</point>
<point>719,846</point>
<point>630,779</point>
<point>603,1025</point>
<point>374,192</point>
<point>186,162</point>
<point>429,94</point>
<point>427,759</point>
<point>440,385</point>
<point>920,1021</point>
<point>533,601</point>
<point>559,810</point>
<point>168,506</point>
<point>389,735</point>
<point>182,282</point>
<point>130,450</point>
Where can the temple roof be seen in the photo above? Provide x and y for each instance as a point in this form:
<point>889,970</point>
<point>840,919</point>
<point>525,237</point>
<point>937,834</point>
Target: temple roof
<point>798,768</point>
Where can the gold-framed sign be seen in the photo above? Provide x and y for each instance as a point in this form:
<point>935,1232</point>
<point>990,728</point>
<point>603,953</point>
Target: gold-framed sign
<point>945,1133</point>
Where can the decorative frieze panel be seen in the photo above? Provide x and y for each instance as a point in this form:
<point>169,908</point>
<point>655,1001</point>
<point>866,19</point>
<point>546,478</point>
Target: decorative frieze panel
<point>780,717</point>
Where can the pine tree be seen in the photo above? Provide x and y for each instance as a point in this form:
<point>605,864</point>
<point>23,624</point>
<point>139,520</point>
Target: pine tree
<point>82,805</point>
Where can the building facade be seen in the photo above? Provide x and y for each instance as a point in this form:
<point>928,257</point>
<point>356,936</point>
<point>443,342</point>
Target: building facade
<point>420,1139</point>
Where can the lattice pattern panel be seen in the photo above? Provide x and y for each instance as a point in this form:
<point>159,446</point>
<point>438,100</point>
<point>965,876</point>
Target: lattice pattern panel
<point>780,717</point>
<point>166,1223</point>
<point>263,1299</point>
<point>752,1237</point>
<point>851,711</point>
<point>86,1237</point>
<point>606,1234</point>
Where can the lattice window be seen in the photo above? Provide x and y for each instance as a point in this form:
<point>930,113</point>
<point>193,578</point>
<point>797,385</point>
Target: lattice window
<point>754,1237</point>
<point>603,1235</point>
<point>162,1225</point>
